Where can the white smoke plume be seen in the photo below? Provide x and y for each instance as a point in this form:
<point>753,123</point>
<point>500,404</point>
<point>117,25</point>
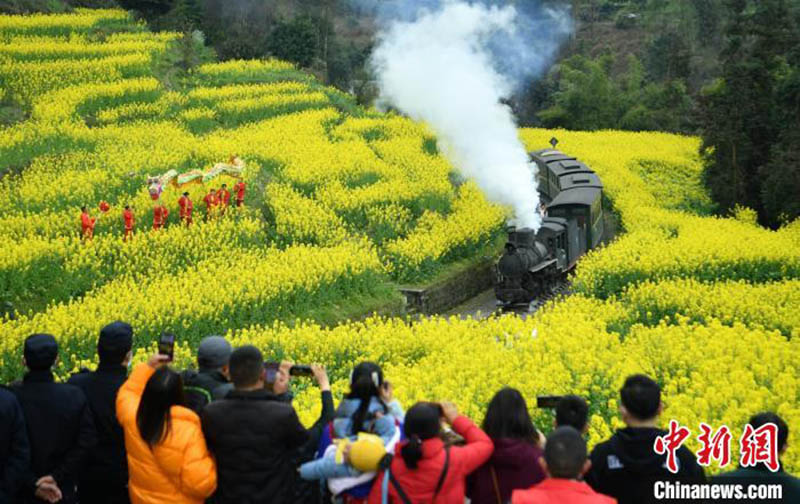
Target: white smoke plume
<point>450,66</point>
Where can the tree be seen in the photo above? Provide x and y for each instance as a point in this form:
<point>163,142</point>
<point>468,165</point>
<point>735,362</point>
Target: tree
<point>294,41</point>
<point>149,9</point>
<point>743,114</point>
<point>668,57</point>
<point>586,97</point>
<point>173,66</point>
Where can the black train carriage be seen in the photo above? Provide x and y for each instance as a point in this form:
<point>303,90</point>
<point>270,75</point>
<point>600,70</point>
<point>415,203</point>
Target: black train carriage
<point>534,262</point>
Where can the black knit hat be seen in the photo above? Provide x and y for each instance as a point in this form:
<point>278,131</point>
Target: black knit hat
<point>40,351</point>
<point>115,341</point>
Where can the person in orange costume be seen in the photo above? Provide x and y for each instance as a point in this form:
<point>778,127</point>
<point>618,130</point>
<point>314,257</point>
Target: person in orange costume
<point>186,208</point>
<point>212,201</point>
<point>87,224</point>
<point>128,218</point>
<point>160,214</point>
<point>224,198</point>
<point>239,188</point>
<point>168,460</point>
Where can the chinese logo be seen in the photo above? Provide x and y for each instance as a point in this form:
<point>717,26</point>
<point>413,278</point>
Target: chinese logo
<point>757,446</point>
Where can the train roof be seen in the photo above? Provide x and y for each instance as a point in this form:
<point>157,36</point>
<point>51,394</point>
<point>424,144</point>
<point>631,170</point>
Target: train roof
<point>548,155</point>
<point>567,166</point>
<point>576,196</point>
<point>578,180</point>
<point>552,225</point>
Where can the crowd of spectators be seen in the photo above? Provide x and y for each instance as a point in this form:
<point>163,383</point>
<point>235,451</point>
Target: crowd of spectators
<point>227,433</point>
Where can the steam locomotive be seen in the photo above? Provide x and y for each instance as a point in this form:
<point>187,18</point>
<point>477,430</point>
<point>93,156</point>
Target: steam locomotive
<point>534,262</point>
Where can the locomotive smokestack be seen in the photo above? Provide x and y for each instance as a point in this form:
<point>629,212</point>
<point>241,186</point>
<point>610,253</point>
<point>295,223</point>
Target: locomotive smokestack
<point>451,64</point>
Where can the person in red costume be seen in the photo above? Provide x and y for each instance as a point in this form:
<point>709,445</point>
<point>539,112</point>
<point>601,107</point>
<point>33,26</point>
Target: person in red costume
<point>224,198</point>
<point>87,224</point>
<point>128,218</point>
<point>239,188</point>
<point>212,201</point>
<point>160,214</point>
<point>186,208</point>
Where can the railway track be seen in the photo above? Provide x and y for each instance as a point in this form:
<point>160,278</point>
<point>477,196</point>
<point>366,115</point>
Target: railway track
<point>485,304</point>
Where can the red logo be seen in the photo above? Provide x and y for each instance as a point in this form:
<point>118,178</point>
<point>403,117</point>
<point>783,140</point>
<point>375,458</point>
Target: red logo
<point>670,442</point>
<point>760,446</point>
<point>715,447</point>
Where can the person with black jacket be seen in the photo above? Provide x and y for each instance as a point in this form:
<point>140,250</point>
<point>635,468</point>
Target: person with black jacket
<point>760,474</point>
<point>211,380</point>
<point>104,478</point>
<point>59,424</point>
<point>254,433</point>
<point>15,452</point>
<point>626,466</point>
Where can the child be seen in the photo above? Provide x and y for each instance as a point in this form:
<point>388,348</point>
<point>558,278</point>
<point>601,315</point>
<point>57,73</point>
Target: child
<point>362,411</point>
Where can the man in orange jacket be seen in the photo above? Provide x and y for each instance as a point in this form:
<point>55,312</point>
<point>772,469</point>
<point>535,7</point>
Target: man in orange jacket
<point>160,214</point>
<point>239,188</point>
<point>212,201</point>
<point>87,224</point>
<point>565,461</point>
<point>186,208</point>
<point>127,217</point>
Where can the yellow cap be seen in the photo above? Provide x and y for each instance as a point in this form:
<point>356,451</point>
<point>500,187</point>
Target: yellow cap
<point>366,452</point>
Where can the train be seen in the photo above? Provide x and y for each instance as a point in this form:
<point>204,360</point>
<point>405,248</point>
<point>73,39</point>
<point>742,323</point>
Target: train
<point>533,263</point>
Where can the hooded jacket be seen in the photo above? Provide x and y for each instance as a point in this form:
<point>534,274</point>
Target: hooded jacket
<point>420,484</point>
<point>516,465</point>
<point>383,426</point>
<point>212,380</point>
<point>179,469</point>
<point>626,466</point>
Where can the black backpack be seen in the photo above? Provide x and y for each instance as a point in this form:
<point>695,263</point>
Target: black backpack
<point>196,398</point>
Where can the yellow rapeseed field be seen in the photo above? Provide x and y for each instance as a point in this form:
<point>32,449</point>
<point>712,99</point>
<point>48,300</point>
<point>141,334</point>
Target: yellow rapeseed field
<point>343,201</point>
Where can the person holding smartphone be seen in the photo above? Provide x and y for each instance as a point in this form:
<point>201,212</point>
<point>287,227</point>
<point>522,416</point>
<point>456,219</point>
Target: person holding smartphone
<point>168,460</point>
<point>254,432</point>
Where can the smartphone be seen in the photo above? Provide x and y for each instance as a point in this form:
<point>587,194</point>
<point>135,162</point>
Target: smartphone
<point>548,401</point>
<point>301,370</point>
<point>166,345</point>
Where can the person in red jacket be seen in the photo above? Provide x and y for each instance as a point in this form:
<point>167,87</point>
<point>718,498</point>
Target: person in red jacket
<point>565,461</point>
<point>239,188</point>
<point>128,219</point>
<point>212,201</point>
<point>186,207</point>
<point>425,470</point>
<point>160,214</point>
<point>87,224</point>
<point>224,198</point>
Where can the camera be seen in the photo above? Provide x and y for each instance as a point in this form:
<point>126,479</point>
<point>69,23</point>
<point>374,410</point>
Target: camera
<point>301,370</point>
<point>548,401</point>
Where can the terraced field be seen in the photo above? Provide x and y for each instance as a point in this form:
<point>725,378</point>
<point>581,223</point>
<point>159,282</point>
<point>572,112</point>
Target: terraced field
<point>342,204</point>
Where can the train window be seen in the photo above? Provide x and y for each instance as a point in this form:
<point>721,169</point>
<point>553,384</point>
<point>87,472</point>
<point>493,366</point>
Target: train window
<point>550,243</point>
